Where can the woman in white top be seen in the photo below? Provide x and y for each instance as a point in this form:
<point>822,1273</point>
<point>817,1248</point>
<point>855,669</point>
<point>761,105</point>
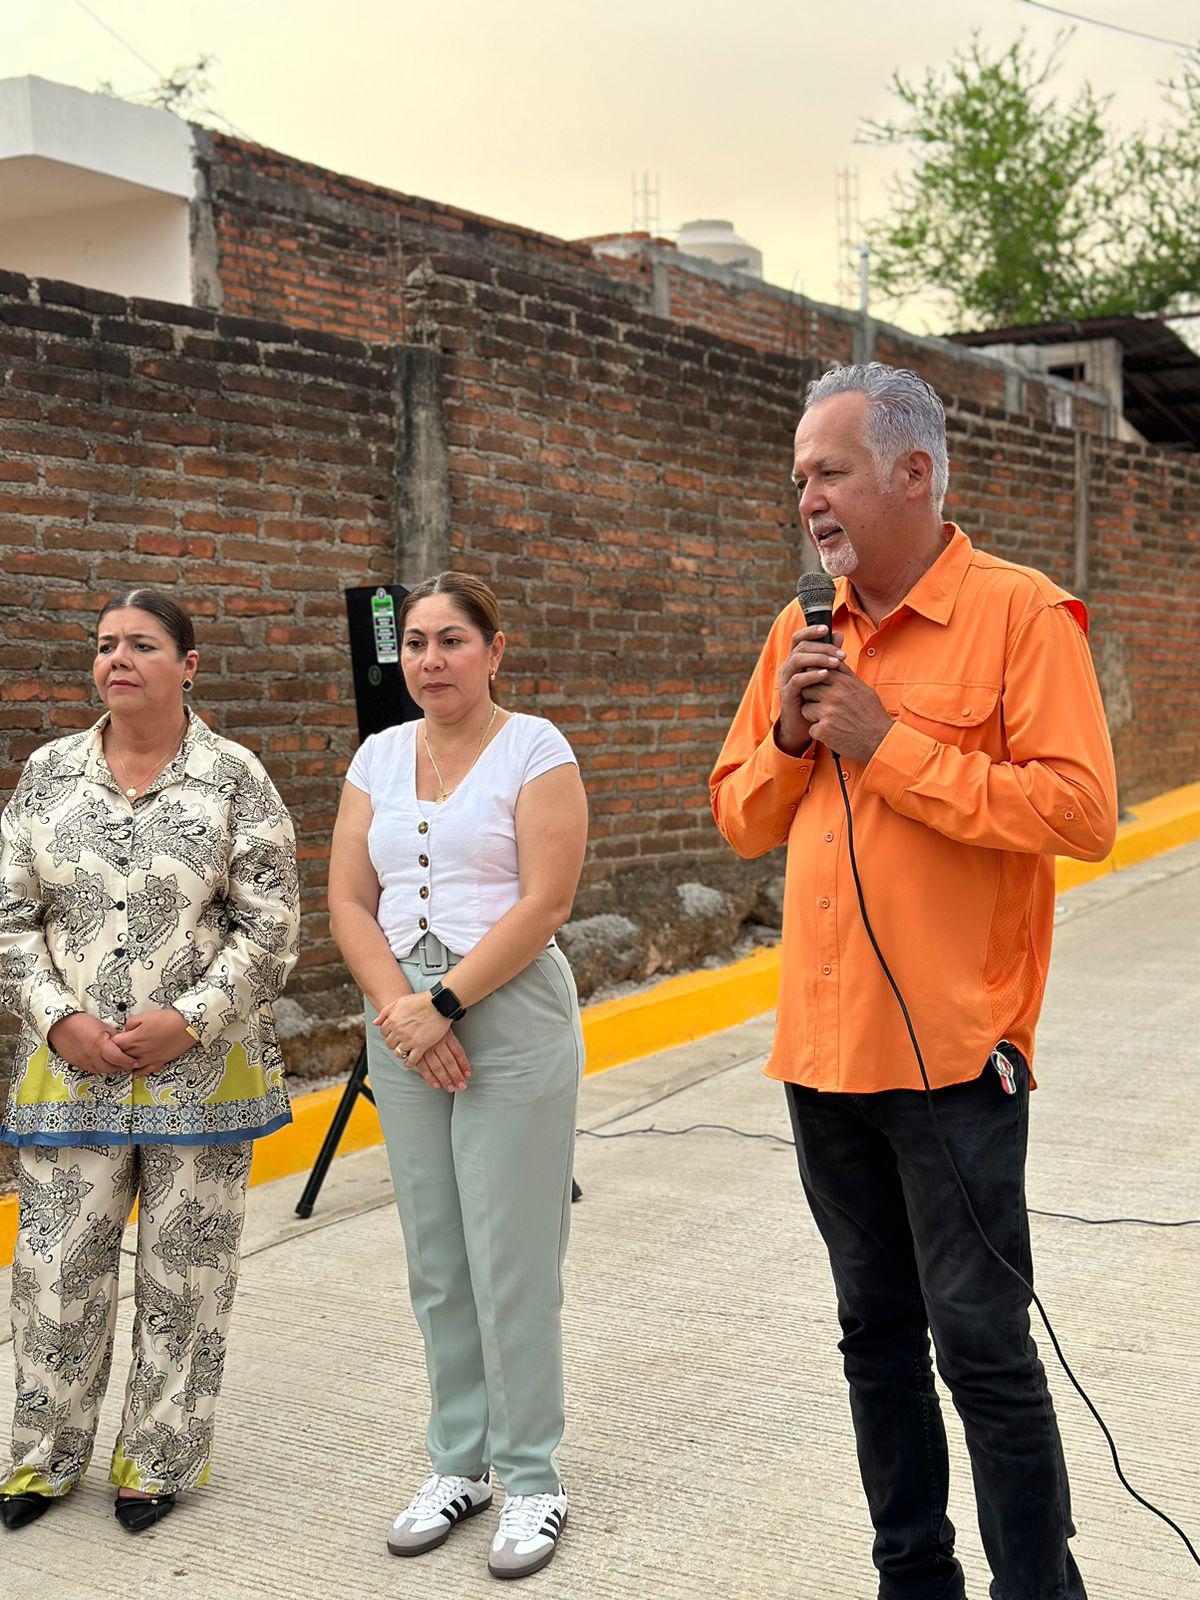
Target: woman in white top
<point>456,855</point>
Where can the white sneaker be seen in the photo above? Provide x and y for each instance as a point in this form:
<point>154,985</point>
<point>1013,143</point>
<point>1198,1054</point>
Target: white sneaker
<point>433,1511</point>
<point>528,1534</point>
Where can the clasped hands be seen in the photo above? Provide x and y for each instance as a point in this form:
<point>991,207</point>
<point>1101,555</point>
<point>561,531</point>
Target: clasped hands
<point>821,698</point>
<point>145,1044</point>
<point>423,1039</point>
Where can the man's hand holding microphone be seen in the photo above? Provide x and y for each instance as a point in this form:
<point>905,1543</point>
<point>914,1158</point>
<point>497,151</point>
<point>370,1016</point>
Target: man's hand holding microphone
<point>819,696</point>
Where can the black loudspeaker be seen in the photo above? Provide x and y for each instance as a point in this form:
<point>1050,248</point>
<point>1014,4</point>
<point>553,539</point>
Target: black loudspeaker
<point>381,700</point>
<point>380,696</point>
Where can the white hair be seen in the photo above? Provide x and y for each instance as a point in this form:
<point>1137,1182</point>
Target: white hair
<point>904,414</point>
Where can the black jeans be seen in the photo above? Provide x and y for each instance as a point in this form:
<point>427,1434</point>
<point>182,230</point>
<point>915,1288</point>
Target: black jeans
<point>906,1260</point>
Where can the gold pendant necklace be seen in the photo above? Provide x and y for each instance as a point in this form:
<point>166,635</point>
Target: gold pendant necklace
<point>131,792</point>
<point>443,793</point>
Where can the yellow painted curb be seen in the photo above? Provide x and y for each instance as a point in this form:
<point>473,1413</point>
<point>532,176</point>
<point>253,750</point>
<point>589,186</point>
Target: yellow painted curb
<point>678,1009</point>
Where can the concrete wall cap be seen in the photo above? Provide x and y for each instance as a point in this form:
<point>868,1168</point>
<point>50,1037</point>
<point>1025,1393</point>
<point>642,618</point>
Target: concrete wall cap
<point>97,134</point>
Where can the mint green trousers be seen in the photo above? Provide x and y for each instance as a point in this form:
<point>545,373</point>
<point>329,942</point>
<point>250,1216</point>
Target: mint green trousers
<point>483,1187</point>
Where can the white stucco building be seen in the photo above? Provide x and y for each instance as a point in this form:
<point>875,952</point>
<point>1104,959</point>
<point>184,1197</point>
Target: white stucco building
<point>95,191</point>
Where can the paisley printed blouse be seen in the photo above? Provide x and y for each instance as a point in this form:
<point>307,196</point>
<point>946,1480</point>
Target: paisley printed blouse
<point>188,897</point>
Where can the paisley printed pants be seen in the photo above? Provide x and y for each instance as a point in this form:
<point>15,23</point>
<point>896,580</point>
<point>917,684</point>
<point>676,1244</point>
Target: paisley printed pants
<point>74,1204</point>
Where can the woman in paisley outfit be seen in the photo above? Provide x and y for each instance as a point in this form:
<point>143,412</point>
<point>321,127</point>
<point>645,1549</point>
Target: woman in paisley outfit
<point>148,917</point>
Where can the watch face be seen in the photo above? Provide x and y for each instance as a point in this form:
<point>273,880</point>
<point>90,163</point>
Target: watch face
<point>445,1001</point>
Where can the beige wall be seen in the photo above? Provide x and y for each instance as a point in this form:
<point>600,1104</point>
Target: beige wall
<point>140,247</point>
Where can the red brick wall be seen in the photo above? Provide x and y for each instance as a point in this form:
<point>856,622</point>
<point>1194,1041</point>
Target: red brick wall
<point>324,251</point>
<point>598,469</point>
<point>737,309</point>
<point>1146,605</point>
<point>623,483</point>
<point>319,250</point>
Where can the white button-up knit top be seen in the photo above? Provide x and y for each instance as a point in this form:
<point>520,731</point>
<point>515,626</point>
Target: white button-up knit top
<point>450,869</point>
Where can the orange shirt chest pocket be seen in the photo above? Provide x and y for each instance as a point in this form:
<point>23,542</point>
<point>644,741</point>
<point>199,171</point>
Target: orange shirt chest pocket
<point>968,715</point>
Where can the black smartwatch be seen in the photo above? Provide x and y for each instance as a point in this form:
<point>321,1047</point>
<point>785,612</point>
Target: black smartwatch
<point>447,1002</point>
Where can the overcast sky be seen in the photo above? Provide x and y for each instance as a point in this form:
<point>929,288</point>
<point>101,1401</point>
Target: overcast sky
<point>537,111</point>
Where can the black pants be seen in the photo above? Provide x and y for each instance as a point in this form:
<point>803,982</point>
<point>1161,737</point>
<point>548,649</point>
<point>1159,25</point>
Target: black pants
<point>906,1260</point>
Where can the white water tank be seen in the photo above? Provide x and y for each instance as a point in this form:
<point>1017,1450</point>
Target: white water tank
<point>715,240</point>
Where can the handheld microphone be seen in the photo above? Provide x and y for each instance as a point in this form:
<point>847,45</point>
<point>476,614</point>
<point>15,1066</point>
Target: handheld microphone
<point>815,592</point>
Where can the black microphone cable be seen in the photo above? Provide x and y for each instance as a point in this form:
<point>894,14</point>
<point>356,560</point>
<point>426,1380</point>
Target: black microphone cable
<point>653,1131</point>
<point>958,1178</point>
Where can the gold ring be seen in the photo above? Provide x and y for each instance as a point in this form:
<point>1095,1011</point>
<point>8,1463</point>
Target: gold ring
<point>403,1054</point>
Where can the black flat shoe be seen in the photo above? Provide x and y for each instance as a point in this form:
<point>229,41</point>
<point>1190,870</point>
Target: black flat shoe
<point>18,1510</point>
<point>138,1515</point>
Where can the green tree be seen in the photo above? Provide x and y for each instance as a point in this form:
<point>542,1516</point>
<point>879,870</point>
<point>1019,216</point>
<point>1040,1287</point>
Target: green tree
<point>1022,209</point>
<point>1160,258</point>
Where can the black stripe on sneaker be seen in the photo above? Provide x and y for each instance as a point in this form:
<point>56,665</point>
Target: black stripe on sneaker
<point>550,1529</point>
<point>454,1510</point>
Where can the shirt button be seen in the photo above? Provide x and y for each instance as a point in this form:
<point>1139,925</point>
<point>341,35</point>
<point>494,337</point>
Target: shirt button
<point>1068,816</point>
<point>120,905</point>
<point>121,1006</point>
<point>870,649</point>
<point>422,861</point>
<point>422,923</point>
<point>826,970</point>
<point>845,777</point>
<point>422,827</point>
<point>824,905</point>
<point>423,891</point>
<point>828,838</point>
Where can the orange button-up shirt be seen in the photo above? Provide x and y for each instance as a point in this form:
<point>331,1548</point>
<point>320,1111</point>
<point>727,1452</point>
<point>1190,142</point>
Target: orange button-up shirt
<point>997,761</point>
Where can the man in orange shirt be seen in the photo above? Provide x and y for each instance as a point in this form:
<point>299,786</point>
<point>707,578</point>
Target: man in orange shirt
<point>959,693</point>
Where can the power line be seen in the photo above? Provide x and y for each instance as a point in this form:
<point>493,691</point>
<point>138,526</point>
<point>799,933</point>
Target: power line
<point>204,105</point>
<point>112,32</point>
<point>1113,27</point>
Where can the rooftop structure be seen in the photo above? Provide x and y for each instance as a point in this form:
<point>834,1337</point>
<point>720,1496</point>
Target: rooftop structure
<point>1148,372</point>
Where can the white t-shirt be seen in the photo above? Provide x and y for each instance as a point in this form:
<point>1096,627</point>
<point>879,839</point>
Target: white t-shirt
<point>450,869</point>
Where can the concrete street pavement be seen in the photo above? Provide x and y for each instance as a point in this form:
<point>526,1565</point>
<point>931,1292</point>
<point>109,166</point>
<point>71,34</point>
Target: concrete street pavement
<point>709,1450</point>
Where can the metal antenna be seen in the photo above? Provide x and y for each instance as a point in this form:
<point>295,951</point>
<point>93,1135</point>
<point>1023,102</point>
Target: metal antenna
<point>849,236</point>
<point>645,205</point>
<point>864,279</point>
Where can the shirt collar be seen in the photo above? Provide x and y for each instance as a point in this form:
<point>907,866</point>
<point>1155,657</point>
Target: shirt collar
<point>935,591</point>
<point>198,755</point>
